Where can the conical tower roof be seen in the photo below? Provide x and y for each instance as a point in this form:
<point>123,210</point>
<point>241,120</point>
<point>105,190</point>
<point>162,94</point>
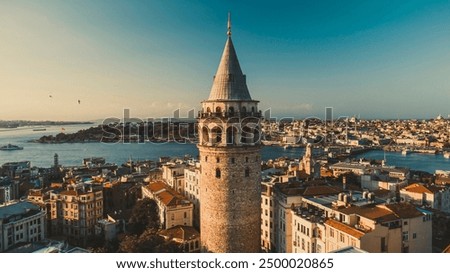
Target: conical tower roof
<point>229,82</point>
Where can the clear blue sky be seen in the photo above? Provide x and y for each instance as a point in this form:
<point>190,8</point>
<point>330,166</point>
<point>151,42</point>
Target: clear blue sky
<point>379,59</point>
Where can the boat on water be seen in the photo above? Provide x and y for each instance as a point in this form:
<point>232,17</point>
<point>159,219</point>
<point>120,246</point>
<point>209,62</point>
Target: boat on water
<point>446,154</point>
<point>406,151</point>
<point>10,147</point>
<point>39,129</point>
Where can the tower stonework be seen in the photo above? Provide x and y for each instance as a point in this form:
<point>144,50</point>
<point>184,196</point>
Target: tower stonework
<point>229,148</point>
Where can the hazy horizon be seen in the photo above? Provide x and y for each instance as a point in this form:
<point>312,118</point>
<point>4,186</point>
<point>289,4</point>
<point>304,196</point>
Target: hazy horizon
<point>85,60</point>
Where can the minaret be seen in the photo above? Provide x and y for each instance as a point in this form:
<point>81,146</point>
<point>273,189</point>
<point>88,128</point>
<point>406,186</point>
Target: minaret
<point>229,147</point>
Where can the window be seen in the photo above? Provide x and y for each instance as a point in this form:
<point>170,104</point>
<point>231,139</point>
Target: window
<point>405,223</point>
<point>247,173</point>
<point>265,201</point>
<point>383,244</point>
<point>206,158</point>
<point>414,235</point>
<point>185,215</point>
<point>217,173</point>
<point>232,160</point>
<point>405,236</point>
<point>341,237</point>
<point>246,159</point>
<point>218,159</point>
<point>332,233</point>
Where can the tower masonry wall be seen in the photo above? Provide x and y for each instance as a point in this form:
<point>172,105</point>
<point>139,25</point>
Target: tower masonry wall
<point>230,198</point>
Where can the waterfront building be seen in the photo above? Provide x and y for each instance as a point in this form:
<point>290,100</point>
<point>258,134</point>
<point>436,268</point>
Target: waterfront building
<point>21,222</point>
<point>229,149</point>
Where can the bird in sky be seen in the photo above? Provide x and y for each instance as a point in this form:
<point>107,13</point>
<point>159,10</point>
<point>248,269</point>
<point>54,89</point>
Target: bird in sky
<point>79,101</point>
<point>50,96</point>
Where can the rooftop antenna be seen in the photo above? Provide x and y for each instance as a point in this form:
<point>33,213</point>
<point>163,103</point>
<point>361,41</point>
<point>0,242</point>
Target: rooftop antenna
<point>229,25</point>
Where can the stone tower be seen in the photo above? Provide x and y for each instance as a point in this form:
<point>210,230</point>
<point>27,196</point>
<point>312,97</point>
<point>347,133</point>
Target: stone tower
<point>229,147</point>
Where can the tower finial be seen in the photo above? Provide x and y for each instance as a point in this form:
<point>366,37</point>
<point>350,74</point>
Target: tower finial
<point>229,24</point>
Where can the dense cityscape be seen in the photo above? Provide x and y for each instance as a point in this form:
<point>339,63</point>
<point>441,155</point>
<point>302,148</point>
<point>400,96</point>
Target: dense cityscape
<point>330,197</point>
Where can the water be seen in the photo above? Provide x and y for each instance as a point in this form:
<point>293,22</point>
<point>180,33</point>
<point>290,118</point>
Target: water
<point>71,154</point>
<point>415,161</point>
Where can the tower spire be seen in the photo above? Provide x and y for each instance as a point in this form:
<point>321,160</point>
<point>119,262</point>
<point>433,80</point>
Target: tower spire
<point>229,25</point>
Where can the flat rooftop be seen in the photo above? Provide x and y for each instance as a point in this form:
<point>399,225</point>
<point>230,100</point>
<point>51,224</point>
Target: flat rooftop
<point>17,209</point>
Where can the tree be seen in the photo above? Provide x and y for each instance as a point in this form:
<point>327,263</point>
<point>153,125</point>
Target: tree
<point>148,242</point>
<point>144,215</point>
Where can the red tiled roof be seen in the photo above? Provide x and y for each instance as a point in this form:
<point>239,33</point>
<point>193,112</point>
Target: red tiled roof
<point>345,228</point>
<point>404,210</point>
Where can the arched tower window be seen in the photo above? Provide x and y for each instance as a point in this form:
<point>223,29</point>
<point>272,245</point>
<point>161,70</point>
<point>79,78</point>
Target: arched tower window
<point>208,110</point>
<point>253,109</point>
<point>256,135</point>
<point>247,135</point>
<point>244,109</point>
<point>218,173</point>
<point>231,109</point>
<point>205,135</point>
<point>232,135</point>
<point>216,135</point>
<point>218,109</point>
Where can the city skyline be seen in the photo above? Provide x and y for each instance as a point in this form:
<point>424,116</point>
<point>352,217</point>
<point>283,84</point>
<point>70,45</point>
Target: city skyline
<point>86,61</point>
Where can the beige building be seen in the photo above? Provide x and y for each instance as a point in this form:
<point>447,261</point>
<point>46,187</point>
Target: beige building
<point>173,175</point>
<point>174,208</point>
<point>72,211</point>
<point>330,223</point>
<point>308,230</point>
<point>432,196</point>
<point>267,217</point>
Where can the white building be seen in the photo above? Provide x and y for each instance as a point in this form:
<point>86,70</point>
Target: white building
<point>192,178</point>
<point>21,222</point>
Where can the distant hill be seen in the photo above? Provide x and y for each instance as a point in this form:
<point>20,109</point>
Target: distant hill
<point>22,123</point>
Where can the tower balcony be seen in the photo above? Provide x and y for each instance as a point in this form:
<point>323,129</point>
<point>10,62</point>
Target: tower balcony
<point>229,114</point>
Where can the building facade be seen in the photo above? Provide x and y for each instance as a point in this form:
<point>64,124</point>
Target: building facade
<point>174,209</point>
<point>21,222</point>
<point>229,148</point>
